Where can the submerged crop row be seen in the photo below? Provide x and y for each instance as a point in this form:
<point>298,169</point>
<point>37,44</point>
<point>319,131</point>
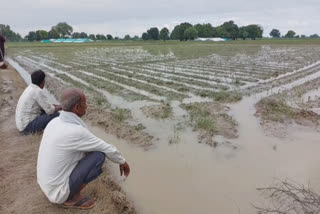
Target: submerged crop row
<point>139,72</point>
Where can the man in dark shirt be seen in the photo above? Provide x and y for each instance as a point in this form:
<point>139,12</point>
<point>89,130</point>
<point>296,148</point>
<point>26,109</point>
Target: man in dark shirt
<point>2,41</point>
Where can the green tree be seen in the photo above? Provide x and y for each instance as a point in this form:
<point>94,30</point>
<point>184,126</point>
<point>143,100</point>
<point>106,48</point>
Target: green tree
<point>53,34</point>
<point>92,37</point>
<point>83,35</point>
<point>254,31</point>
<point>63,29</point>
<point>7,32</point>
<point>32,36</point>
<point>275,33</point>
<point>290,34</point>
<point>314,36</point>
<point>135,37</point>
<point>164,34</point>
<point>109,36</point>
<point>76,35</point>
<point>204,30</point>
<point>145,36</point>
<point>190,33</point>
<point>220,32</point>
<point>231,30</point>
<point>127,37</point>
<point>243,33</point>
<point>153,33</point>
<point>178,31</point>
<point>100,37</point>
<point>43,34</point>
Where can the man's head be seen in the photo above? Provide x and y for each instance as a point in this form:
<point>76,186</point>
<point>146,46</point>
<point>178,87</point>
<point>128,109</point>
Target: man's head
<point>74,100</point>
<point>37,78</point>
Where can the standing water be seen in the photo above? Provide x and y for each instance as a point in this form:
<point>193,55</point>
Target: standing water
<point>187,177</point>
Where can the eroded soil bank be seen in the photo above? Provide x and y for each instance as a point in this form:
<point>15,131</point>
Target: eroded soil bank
<point>19,191</point>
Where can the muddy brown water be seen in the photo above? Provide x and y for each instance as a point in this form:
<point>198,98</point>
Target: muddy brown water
<point>191,178</point>
<point>188,177</point>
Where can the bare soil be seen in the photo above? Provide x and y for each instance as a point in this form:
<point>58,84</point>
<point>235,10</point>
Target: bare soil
<point>161,111</point>
<point>19,191</point>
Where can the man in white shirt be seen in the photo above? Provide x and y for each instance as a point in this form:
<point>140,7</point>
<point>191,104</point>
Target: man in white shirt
<point>34,111</point>
<point>70,156</point>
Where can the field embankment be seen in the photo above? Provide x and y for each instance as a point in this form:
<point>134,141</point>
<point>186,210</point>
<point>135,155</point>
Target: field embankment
<point>19,191</point>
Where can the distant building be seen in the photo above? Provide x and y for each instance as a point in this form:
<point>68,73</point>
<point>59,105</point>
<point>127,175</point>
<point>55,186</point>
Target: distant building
<point>66,40</point>
<point>211,39</point>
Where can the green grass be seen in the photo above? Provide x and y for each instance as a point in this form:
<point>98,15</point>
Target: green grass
<point>222,96</point>
<point>165,112</point>
<point>182,50</point>
<point>201,118</point>
<point>275,109</point>
<point>206,124</point>
<point>121,114</point>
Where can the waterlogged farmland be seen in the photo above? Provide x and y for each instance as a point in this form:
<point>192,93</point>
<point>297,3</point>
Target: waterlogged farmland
<point>165,72</point>
<point>192,107</point>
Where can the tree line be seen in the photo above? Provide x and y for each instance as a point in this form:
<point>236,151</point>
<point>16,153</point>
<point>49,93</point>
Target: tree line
<point>275,33</point>
<point>186,31</point>
<point>229,30</point>
<point>7,32</point>
<point>183,32</point>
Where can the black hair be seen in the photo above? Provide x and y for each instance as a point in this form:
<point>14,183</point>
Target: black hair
<point>37,77</point>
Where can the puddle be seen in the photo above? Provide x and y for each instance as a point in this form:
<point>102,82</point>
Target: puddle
<point>311,95</point>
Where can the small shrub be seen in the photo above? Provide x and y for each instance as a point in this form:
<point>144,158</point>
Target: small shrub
<point>121,114</point>
<point>206,124</point>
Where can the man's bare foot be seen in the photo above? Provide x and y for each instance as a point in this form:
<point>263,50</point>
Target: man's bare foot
<point>80,202</point>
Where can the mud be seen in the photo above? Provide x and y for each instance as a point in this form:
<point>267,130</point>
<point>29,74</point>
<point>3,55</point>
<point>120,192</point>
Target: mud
<point>19,191</point>
<point>161,111</point>
<point>276,116</point>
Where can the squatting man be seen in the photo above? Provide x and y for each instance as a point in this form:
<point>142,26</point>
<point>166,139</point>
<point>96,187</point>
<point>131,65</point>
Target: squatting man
<point>34,111</point>
<point>70,156</point>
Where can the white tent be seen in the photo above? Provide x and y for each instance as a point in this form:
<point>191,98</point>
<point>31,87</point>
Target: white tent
<point>211,39</point>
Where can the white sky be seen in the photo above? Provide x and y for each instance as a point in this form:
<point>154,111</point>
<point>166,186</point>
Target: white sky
<point>136,16</point>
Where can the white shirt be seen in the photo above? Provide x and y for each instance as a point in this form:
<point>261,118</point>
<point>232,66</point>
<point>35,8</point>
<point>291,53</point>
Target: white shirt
<point>63,144</point>
<point>30,104</point>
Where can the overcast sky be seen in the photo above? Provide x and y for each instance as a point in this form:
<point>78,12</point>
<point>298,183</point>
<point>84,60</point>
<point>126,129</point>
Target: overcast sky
<point>136,16</point>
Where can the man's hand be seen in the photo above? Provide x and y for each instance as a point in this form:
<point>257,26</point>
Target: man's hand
<point>124,169</point>
<point>57,107</point>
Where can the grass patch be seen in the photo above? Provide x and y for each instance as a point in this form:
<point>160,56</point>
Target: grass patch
<point>274,109</point>
<point>206,124</point>
<point>201,119</point>
<point>165,112</point>
<point>100,101</point>
<point>222,96</point>
<point>121,114</point>
<point>161,111</point>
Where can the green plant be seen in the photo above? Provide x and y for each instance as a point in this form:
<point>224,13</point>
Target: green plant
<point>121,114</point>
<point>206,124</point>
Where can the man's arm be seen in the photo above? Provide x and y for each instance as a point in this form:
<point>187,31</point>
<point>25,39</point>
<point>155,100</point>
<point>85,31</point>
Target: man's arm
<point>57,107</point>
<point>43,101</point>
<point>85,141</point>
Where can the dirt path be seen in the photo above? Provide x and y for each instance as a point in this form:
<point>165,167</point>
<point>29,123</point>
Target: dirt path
<point>19,191</point>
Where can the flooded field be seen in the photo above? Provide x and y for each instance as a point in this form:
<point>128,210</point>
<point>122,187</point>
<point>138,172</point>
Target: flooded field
<point>186,117</point>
